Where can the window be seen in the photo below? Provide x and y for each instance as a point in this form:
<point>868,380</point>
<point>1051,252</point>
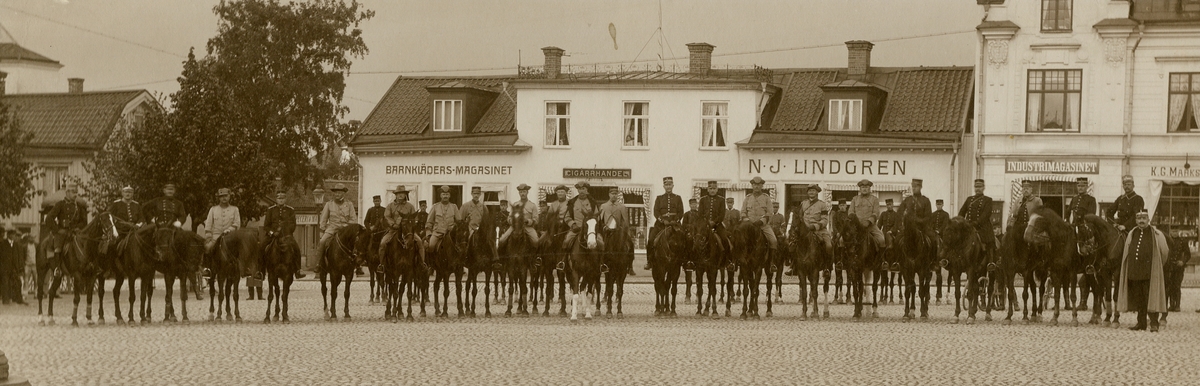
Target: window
<point>1184,109</point>
<point>1056,15</point>
<point>845,115</point>
<point>56,179</point>
<point>1054,98</point>
<point>447,115</point>
<point>714,120</point>
<point>637,123</point>
<point>1055,195</point>
<point>558,124</point>
<point>1178,206</point>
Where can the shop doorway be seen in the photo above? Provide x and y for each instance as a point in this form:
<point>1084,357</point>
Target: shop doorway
<point>1055,195</point>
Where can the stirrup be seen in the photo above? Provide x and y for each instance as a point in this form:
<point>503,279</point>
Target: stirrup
<point>689,266</point>
<point>379,268</point>
<point>537,262</point>
<point>560,266</point>
<point>603,268</point>
<point>257,276</point>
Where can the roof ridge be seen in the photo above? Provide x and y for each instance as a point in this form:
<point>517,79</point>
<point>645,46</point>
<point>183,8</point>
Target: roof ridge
<point>84,93</point>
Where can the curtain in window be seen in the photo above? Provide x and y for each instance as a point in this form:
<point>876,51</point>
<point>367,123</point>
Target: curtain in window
<point>1072,118</point>
<point>551,131</point>
<point>1035,112</point>
<point>1196,107</point>
<point>1178,104</point>
<point>630,125</point>
<point>713,127</point>
<point>564,132</point>
<point>843,115</point>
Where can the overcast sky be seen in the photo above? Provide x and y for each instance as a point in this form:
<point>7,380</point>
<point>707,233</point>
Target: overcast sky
<point>135,44</point>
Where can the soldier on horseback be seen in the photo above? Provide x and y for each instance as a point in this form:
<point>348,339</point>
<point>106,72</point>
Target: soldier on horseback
<point>917,206</point>
<point>65,217</point>
<point>1020,217</point>
<point>1126,206</point>
<point>816,215</point>
<point>529,211</point>
<point>222,219</point>
<point>441,219</point>
<point>473,211</point>
<point>865,206</point>
<point>613,216</point>
<point>392,216</point>
<point>580,209</point>
<point>336,214</point>
<point>977,210</point>
<point>668,210</point>
<point>280,224</point>
<point>889,221</point>
<point>940,217</point>
<point>712,210</point>
<point>162,212</point>
<point>757,209</point>
<point>127,213</point>
<point>375,221</point>
<point>1083,203</point>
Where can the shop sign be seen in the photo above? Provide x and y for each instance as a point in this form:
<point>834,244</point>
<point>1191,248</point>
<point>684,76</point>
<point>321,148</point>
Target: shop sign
<point>1174,171</point>
<point>1052,167</point>
<point>623,174</point>
<point>867,167</point>
<point>306,219</point>
<point>424,169</point>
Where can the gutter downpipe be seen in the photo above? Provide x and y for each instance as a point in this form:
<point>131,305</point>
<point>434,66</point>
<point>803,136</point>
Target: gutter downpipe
<point>1128,148</point>
<point>981,96</point>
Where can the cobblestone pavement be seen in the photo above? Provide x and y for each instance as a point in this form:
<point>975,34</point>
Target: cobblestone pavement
<point>638,349</point>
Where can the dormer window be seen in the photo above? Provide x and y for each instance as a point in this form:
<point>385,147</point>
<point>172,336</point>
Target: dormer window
<point>845,114</point>
<point>447,115</point>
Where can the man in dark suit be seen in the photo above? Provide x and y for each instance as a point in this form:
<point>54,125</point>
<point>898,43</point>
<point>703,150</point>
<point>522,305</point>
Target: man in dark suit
<point>977,210</point>
<point>1083,203</point>
<point>917,207</point>
<point>889,222</point>
<point>12,266</point>
<point>1126,206</point>
<point>940,217</point>
<point>280,224</point>
<point>374,221</point>
<point>65,217</point>
<point>668,209</point>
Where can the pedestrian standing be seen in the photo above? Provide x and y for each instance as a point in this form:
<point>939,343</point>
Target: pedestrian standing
<point>30,281</point>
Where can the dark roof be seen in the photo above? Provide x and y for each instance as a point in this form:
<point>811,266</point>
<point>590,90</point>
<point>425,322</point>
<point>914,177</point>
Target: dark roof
<point>404,108</point>
<point>12,51</point>
<point>825,139</point>
<point>70,119</point>
<point>920,99</point>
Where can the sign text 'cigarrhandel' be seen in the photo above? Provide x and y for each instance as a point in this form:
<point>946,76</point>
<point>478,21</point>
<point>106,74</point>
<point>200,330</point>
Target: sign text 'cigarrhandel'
<point>424,169</point>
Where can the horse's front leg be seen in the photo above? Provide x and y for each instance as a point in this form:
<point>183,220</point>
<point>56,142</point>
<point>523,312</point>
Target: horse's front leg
<point>346,298</point>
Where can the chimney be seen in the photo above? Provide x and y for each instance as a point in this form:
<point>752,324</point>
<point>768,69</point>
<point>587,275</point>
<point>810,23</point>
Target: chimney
<point>860,56</point>
<point>75,85</point>
<point>553,65</point>
<point>700,58</point>
<point>3,82</point>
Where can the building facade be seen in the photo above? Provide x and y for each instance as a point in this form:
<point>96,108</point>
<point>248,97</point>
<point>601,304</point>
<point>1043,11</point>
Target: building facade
<point>1096,89</point>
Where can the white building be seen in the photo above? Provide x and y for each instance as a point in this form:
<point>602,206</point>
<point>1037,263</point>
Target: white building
<point>1095,89</point>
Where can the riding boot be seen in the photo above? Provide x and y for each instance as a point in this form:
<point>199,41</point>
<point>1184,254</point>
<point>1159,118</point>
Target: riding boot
<point>1153,322</point>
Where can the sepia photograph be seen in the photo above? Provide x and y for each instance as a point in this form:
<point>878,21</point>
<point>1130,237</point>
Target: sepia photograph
<point>602,192</point>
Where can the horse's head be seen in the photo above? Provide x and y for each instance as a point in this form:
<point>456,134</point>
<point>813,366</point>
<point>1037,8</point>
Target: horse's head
<point>1037,225</point>
<point>1085,238</point>
<point>589,229</point>
<point>164,238</point>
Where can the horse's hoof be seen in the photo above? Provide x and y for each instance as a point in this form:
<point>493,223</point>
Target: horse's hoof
<point>743,317</point>
<point>328,319</point>
<point>1007,322</point>
<point>100,321</point>
<point>1053,322</point>
<point>346,318</point>
<point>727,313</point>
<point>237,319</point>
<point>120,322</point>
<point>874,315</point>
<point>267,320</point>
<point>955,321</point>
<point>970,321</point>
<point>574,319</point>
<point>228,317</point>
<point>1074,323</point>
<point>546,313</point>
<point>508,314</point>
<point>608,315</point>
<point>409,318</point>
<point>74,323</point>
<point>825,315</point>
<point>803,318</point>
<point>487,314</point>
<point>987,318</point>
<point>769,314</point>
<point>938,302</point>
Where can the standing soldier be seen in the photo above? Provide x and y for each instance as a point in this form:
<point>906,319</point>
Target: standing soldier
<point>1126,206</point>
<point>776,220</point>
<point>280,223</point>
<point>690,214</point>
<point>668,209</point>
<point>816,216</point>
<point>1142,288</point>
<point>66,216</point>
<point>422,217</point>
<point>757,209</point>
<point>977,210</point>
<point>1083,203</point>
<point>126,213</point>
<point>529,211</point>
<point>614,218</point>
<point>392,217</point>
<point>865,206</point>
<point>1020,217</point>
<point>712,210</point>
<point>473,211</point>
<point>374,222</point>
<point>336,214</point>
<point>222,218</point>
<point>917,205</point>
<point>940,217</point>
<point>441,218</point>
<point>732,215</point>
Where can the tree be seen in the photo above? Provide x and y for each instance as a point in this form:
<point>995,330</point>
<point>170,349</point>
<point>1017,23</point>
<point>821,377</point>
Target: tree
<point>16,174</point>
<point>263,101</point>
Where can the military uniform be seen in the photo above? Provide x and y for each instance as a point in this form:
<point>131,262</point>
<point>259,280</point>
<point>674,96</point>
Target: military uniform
<point>1083,204</point>
<point>579,212</point>
<point>1124,209</point>
<point>532,219</point>
<point>816,213</point>
<point>733,217</point>
<point>64,217</point>
<point>128,214</point>
<point>221,220</point>
<point>333,217</point>
<point>889,222</point>
<point>940,220</point>
<point>280,224</point>
<point>866,208</point>
<point>712,210</point>
<point>1020,218</point>
<point>922,212</point>
<point>665,205</point>
<point>375,219</point>
<point>977,210</point>
<point>164,210</point>
<point>441,220</point>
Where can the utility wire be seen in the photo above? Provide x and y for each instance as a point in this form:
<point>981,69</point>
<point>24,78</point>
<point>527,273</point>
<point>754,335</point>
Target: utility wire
<point>126,41</point>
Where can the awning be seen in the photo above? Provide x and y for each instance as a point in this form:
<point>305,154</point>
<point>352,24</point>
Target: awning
<point>1016,192</point>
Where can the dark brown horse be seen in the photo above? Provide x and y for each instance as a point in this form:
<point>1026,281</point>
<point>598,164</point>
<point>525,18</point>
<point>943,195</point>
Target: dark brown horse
<point>749,254</point>
<point>449,258</point>
<point>77,259</point>
<point>960,251</point>
<point>859,256</point>
<point>542,267</point>
<point>279,263</point>
<point>917,252</point>
<point>176,253</point>
<point>399,270</point>
<point>1173,270</point>
<point>107,265</point>
<point>519,253</point>
<point>707,257</point>
<point>618,254</point>
<point>809,258</point>
<point>1014,259</point>
<point>1060,257</point>
<point>369,252</point>
<point>1097,243</point>
<point>235,255</point>
<point>670,250</point>
<point>481,259</point>
<point>338,264</point>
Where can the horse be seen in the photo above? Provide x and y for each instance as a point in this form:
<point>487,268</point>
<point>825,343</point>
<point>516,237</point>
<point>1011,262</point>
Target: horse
<point>749,254</point>
<point>107,264</point>
<point>278,261</point>
<point>917,252</point>
<point>1059,254</point>
<point>371,258</point>
<point>670,249</point>
<point>337,264</point>
<point>1173,271</point>
<point>449,259</point>
<point>858,255</point>
<point>542,265</point>
<point>176,253</point>
<point>236,254</point>
<point>809,258</point>
<point>518,263</point>
<point>77,259</point>
<point>398,268</point>
<point>1096,241</point>
<point>708,256</point>
<point>959,251</point>
<point>1014,259</point>
<point>480,259</point>
<point>584,268</point>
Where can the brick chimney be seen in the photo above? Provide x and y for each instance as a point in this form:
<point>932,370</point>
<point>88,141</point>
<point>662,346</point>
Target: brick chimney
<point>699,58</point>
<point>75,85</point>
<point>553,66</point>
<point>3,82</point>
<point>860,56</point>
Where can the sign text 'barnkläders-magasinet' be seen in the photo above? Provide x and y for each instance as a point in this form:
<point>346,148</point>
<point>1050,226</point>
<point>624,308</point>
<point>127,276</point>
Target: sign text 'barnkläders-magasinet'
<point>424,169</point>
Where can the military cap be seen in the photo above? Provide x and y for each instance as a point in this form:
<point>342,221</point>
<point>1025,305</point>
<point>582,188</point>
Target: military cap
<point>918,181</point>
<point>938,201</point>
<point>376,197</point>
<point>979,181</point>
<point>1126,178</point>
<point>1143,213</point>
<point>614,190</point>
<point>400,189</point>
<point>865,182</point>
<point>522,187</point>
<point>476,189</point>
<point>582,185</point>
<point>127,189</point>
<point>1081,179</point>
<point>340,187</point>
<point>284,192</point>
<point>757,181</point>
<point>445,189</point>
<point>422,202</point>
<point>168,186</point>
<point>712,184</point>
<point>691,200</point>
<point>502,202</point>
<point>728,198</point>
<point>560,187</point>
<point>222,192</point>
<point>814,187</point>
<point>889,201</point>
<point>668,179</point>
<point>841,202</point>
<point>1026,182</point>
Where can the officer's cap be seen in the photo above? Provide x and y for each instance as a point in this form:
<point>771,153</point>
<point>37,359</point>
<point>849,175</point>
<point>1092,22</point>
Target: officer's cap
<point>712,184</point>
<point>582,185</point>
<point>340,187</point>
<point>1081,180</point>
<point>814,187</point>
<point>560,187</point>
<point>522,187</point>
<point>1127,178</point>
<point>889,201</point>
<point>1143,213</point>
<point>376,198</point>
<point>865,182</point>
<point>222,192</point>
<point>668,179</point>
<point>757,181</point>
<point>918,181</point>
<point>168,186</point>
<point>127,189</point>
<point>476,189</point>
<point>979,181</point>
<point>445,189</point>
<point>938,201</point>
